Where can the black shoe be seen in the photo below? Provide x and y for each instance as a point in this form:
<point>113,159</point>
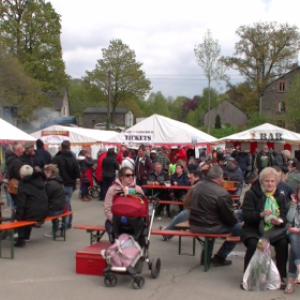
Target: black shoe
<point>20,243</point>
<point>218,261</point>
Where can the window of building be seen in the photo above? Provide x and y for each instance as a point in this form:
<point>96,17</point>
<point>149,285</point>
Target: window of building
<point>281,106</point>
<point>281,86</point>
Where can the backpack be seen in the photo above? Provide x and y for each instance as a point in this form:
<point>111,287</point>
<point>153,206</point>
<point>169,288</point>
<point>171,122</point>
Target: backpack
<point>124,252</point>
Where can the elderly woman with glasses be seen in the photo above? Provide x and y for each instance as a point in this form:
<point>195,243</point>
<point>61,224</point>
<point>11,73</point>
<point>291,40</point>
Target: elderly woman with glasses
<point>261,201</point>
<point>124,182</point>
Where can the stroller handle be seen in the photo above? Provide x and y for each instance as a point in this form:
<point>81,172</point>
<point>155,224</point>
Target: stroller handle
<point>155,200</point>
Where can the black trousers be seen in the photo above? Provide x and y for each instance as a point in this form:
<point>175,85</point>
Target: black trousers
<point>281,254</point>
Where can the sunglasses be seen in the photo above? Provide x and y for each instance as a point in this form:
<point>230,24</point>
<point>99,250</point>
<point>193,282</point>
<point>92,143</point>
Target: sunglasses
<point>129,175</point>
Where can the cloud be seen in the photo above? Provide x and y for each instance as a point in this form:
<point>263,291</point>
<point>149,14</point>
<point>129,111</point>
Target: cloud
<point>163,34</point>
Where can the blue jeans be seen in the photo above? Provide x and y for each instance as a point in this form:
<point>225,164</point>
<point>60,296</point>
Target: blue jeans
<point>13,206</point>
<point>9,200</point>
<point>55,222</point>
<point>181,217</point>
<point>68,196</point>
<point>227,247</point>
<point>294,257</point>
<point>84,188</point>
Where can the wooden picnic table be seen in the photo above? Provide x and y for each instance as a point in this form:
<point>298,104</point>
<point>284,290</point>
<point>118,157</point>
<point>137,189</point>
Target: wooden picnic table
<point>177,187</point>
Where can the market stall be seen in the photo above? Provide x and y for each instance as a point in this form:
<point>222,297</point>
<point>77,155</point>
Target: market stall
<point>10,134</point>
<point>162,131</point>
<point>276,137</point>
<point>80,138</point>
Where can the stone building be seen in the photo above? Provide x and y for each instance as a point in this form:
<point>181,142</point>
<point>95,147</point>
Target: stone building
<point>94,115</point>
<point>229,114</point>
<point>273,98</point>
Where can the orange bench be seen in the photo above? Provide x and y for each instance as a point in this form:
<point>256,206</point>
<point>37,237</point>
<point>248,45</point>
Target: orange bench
<point>11,226</point>
<point>204,242</point>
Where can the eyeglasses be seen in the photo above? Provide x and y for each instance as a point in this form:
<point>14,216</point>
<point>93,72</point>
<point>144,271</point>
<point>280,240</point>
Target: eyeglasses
<point>129,175</point>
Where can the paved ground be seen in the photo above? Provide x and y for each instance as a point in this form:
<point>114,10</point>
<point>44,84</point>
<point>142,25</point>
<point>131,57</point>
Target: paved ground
<point>46,270</point>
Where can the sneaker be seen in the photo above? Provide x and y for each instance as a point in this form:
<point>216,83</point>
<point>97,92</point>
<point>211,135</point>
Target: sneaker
<point>50,234</point>
<point>218,261</point>
<point>20,243</point>
<point>158,218</point>
<point>165,238</point>
<point>16,235</point>
<point>27,240</point>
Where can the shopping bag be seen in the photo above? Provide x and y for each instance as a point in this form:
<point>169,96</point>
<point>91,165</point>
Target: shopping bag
<point>261,273</point>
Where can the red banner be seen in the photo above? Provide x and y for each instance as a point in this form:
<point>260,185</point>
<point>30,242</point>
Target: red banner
<point>55,132</point>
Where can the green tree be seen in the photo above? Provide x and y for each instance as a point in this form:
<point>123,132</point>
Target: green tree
<point>30,30</point>
<point>264,52</point>
<point>208,58</point>
<point>17,88</point>
<point>218,124</point>
<point>119,68</point>
<point>158,105</point>
<point>292,104</point>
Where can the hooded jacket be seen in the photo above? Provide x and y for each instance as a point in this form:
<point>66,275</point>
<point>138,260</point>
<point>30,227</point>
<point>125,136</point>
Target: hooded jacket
<point>210,208</point>
<point>68,167</point>
<point>253,205</point>
<point>115,188</point>
<point>232,172</point>
<point>56,194</point>
<point>32,203</point>
<point>85,165</point>
<point>13,164</point>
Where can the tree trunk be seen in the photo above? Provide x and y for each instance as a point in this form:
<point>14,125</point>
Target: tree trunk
<point>208,129</point>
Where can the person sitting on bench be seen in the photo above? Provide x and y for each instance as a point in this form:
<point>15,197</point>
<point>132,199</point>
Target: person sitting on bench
<point>211,212</point>
<point>56,194</point>
<point>32,204</point>
<point>183,216</point>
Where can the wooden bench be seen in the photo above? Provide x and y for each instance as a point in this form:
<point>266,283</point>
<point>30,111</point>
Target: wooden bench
<point>202,238</point>
<point>234,239</point>
<point>11,226</point>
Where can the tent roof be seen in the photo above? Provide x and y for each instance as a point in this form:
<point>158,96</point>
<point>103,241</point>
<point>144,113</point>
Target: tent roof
<point>76,135</point>
<point>165,131</point>
<point>254,134</point>
<point>10,133</point>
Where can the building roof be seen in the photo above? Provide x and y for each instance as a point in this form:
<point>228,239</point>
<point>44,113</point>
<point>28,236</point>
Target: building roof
<point>229,102</point>
<point>279,78</point>
<point>103,110</point>
<point>57,98</point>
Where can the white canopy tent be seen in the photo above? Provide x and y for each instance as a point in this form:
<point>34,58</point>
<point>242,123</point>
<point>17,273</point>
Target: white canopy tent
<point>162,131</point>
<point>276,137</point>
<point>79,138</point>
<point>10,133</point>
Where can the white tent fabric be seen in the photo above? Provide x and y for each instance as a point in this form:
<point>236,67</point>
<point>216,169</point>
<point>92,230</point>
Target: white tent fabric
<point>161,131</point>
<point>266,132</point>
<point>56,134</point>
<point>10,133</point>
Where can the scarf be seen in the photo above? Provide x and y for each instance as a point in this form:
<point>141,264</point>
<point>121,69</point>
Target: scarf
<point>272,205</point>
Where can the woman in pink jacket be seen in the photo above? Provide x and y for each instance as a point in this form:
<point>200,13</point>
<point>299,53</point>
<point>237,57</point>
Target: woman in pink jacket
<point>124,181</point>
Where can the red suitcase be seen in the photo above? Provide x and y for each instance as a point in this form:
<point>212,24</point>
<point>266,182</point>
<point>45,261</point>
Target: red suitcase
<point>89,260</point>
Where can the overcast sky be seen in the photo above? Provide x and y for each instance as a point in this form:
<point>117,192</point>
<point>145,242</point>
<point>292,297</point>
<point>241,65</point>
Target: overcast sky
<point>163,34</point>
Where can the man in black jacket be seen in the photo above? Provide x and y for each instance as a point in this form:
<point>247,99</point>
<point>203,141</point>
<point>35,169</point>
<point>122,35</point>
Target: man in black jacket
<point>69,172</point>
<point>40,149</point>
<point>211,212</point>
<point>32,158</point>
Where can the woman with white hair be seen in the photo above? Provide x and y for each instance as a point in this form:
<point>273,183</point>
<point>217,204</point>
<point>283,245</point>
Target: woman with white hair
<point>32,203</point>
<point>261,201</point>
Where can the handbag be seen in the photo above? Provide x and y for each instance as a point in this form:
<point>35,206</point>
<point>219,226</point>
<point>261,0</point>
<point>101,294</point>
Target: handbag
<point>12,186</point>
<point>273,232</point>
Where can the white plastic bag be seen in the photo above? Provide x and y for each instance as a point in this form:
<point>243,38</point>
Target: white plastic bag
<point>261,273</point>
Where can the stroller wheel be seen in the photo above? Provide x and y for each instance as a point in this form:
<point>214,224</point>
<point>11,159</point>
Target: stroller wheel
<point>138,282</point>
<point>139,266</point>
<point>95,193</point>
<point>110,280</point>
<point>90,191</point>
<point>155,267</point>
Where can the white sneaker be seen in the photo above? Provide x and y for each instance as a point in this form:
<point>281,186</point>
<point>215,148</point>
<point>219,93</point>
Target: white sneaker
<point>50,234</point>
<point>16,235</point>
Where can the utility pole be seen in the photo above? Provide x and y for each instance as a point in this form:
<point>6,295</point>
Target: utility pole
<point>108,102</point>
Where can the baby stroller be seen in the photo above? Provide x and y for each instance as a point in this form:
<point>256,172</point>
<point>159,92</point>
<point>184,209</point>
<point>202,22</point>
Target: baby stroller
<point>95,190</point>
<point>130,215</point>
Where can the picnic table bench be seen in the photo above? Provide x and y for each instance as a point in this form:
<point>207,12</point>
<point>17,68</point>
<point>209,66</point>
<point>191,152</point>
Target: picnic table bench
<point>11,226</point>
<point>96,233</point>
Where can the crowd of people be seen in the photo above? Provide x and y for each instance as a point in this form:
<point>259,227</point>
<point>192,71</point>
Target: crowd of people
<point>45,186</point>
